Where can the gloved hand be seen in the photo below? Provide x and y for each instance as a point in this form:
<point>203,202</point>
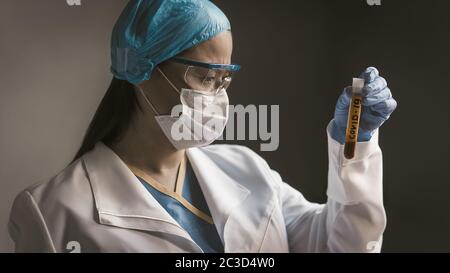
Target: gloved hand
<point>378,105</point>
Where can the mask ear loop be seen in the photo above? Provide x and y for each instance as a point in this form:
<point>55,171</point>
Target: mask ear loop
<point>167,79</point>
<point>148,101</point>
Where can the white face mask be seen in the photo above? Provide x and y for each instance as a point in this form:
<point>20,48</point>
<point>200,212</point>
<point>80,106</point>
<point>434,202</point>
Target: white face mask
<point>203,117</point>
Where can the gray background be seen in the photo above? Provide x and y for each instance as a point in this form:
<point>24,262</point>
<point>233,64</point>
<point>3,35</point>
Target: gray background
<point>298,54</point>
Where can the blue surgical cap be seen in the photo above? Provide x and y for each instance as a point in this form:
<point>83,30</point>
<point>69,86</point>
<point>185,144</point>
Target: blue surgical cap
<point>149,32</point>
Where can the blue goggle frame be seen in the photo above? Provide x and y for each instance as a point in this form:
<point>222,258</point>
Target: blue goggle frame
<point>230,67</point>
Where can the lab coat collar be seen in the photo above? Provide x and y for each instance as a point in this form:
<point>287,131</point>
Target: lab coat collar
<point>121,199</point>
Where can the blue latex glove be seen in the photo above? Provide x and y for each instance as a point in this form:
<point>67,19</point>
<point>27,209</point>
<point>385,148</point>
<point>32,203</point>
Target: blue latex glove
<point>378,105</point>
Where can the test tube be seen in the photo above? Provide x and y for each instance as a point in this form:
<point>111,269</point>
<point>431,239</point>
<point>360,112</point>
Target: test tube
<point>354,115</point>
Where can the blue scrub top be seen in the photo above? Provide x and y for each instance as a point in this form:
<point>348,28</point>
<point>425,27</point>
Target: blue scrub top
<point>202,232</point>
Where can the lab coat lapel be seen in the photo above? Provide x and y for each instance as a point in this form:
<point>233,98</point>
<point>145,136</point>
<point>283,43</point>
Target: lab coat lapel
<point>121,199</point>
<point>239,220</point>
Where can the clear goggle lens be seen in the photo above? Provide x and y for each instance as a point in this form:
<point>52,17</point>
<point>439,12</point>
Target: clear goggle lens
<point>206,79</point>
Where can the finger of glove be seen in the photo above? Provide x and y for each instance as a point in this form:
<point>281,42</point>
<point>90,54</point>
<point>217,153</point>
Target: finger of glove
<point>385,107</point>
<point>369,75</point>
<point>371,120</point>
<point>375,86</point>
<point>344,99</point>
<point>377,97</point>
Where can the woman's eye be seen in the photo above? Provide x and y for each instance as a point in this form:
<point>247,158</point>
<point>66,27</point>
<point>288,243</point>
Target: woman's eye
<point>209,79</point>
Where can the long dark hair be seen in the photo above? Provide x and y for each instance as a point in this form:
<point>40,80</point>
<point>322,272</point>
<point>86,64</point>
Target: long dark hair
<point>112,117</point>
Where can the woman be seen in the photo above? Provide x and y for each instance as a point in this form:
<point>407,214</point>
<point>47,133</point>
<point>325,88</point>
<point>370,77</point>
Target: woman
<point>137,186</point>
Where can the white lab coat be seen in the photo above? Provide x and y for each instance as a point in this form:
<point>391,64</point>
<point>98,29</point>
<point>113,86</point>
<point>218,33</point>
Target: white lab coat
<point>96,204</point>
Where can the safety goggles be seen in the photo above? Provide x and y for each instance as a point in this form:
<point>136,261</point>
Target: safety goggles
<point>206,77</point>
